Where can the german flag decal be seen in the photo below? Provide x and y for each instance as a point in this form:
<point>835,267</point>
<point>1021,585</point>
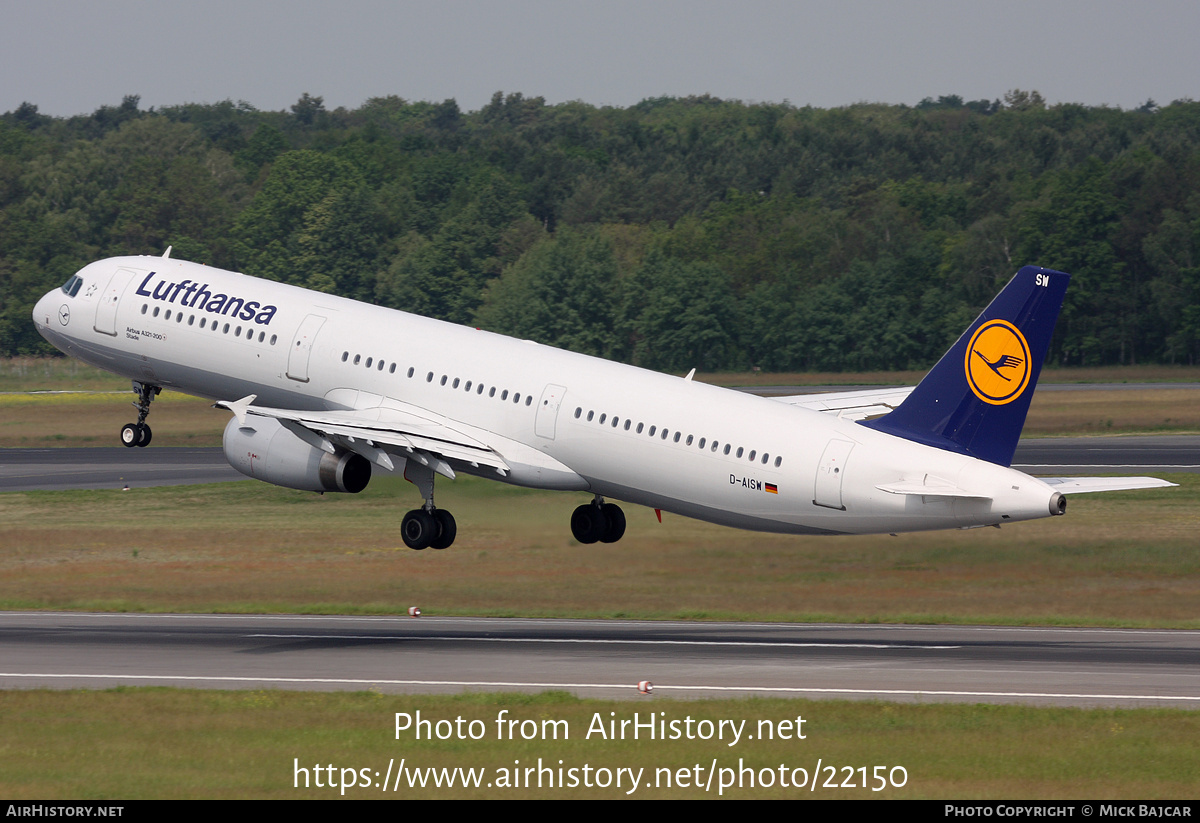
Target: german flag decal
<point>772,488</point>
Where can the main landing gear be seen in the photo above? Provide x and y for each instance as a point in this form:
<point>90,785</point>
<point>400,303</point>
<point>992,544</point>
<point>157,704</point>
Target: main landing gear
<point>598,521</point>
<point>139,434</point>
<point>427,526</point>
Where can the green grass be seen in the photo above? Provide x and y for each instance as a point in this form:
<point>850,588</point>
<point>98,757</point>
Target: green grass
<point>1116,559</point>
<point>174,743</point>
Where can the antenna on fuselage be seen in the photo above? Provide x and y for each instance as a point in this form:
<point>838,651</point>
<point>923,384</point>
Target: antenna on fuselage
<point>167,253</point>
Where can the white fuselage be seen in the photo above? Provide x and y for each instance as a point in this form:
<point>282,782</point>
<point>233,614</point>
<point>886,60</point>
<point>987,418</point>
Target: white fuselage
<point>786,469</point>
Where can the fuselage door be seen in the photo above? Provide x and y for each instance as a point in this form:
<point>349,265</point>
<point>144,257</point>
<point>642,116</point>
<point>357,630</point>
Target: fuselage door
<point>110,298</point>
<point>832,469</point>
<point>302,347</point>
<point>547,413</point>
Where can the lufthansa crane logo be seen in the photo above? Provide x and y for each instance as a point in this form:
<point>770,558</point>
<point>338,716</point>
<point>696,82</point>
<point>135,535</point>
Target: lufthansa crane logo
<point>997,363</point>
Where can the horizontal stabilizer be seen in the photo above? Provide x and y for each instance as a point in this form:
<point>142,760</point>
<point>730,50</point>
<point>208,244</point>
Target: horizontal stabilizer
<point>930,487</point>
<point>1082,485</point>
<point>851,405</point>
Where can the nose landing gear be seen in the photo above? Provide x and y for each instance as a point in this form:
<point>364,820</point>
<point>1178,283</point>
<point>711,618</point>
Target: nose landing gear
<point>139,434</point>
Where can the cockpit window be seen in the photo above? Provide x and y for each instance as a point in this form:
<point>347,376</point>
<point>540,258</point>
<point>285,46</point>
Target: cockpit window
<point>72,286</point>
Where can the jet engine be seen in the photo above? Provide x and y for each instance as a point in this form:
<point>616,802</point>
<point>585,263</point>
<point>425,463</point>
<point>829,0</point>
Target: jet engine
<point>263,449</point>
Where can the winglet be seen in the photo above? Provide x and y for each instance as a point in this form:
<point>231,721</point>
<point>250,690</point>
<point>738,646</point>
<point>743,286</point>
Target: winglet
<point>975,399</point>
<point>238,407</point>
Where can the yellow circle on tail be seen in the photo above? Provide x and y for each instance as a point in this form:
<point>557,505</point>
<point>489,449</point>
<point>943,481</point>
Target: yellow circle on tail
<point>997,363</point>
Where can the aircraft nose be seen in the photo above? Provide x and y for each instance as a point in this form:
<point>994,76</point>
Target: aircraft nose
<point>50,313</point>
<point>42,311</point>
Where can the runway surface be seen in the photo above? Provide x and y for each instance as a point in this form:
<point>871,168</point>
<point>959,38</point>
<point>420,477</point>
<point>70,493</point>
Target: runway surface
<point>116,467</point>
<point>111,468</point>
<point>1080,667</point>
<point>1133,454</point>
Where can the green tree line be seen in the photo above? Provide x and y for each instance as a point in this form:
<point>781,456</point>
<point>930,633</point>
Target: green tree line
<point>678,232</point>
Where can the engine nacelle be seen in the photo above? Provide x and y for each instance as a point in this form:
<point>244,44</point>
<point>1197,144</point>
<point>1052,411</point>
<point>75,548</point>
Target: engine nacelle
<point>263,449</point>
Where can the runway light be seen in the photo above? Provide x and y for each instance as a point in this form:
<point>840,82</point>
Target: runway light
<point>413,611</point>
<point>645,687</point>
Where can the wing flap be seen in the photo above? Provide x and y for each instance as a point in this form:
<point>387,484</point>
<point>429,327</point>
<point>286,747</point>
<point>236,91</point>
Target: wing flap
<point>372,431</point>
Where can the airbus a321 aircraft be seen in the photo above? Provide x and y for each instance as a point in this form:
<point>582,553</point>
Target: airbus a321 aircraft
<point>323,388</point>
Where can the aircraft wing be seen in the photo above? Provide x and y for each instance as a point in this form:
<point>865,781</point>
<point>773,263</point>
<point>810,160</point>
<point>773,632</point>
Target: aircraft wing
<point>1081,485</point>
<point>377,432</point>
<point>851,405</point>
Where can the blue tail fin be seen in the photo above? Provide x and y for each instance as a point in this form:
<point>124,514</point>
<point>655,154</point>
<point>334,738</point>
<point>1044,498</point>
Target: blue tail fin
<point>975,399</point>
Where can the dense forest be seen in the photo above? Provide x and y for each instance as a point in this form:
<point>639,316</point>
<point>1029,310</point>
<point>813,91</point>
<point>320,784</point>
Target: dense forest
<point>678,232</point>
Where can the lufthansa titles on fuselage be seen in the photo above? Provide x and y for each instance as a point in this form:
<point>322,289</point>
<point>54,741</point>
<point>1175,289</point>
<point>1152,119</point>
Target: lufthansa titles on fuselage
<point>193,295</point>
